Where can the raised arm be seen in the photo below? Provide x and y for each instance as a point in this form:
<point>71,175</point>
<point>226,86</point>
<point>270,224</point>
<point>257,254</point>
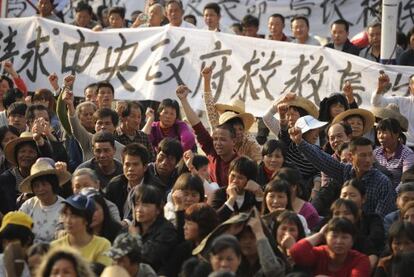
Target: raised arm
<point>61,110</point>
<point>212,114</point>
<point>149,119</point>
<point>8,67</point>
<point>378,99</point>
<point>182,92</point>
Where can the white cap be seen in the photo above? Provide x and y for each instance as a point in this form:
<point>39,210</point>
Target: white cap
<point>308,122</point>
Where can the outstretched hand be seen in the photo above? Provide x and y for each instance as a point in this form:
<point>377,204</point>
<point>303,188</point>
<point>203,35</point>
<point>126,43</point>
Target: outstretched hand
<point>295,134</point>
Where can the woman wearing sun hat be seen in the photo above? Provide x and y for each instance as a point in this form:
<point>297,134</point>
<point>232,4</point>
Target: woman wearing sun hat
<point>235,115</point>
<point>361,121</point>
<point>77,216</point>
<point>46,177</point>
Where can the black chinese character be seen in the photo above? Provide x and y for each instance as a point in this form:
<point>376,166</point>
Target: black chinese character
<point>117,68</point>
<point>354,78</point>
<point>175,53</point>
<point>9,49</point>
<point>331,10</point>
<point>37,55</point>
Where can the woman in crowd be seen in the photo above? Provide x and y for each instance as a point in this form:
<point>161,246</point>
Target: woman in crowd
<point>77,217</point>
<point>45,98</point>
<point>35,255</point>
<point>300,206</point>
<point>407,213</point>
<point>277,198</point>
<point>273,159</point>
<point>46,178</point>
<point>7,133</point>
<point>159,236</point>
<point>63,261</point>
<point>400,241</point>
<point>360,120</point>
<point>171,126</point>
<point>336,257</point>
<point>392,153</point>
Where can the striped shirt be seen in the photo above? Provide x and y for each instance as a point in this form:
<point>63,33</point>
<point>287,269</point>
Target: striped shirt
<point>380,194</point>
<point>401,161</point>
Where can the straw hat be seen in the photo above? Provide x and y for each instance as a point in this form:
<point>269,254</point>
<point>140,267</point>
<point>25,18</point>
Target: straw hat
<point>391,111</point>
<point>11,146</point>
<point>247,118</point>
<point>44,166</point>
<point>369,118</point>
<point>236,105</point>
<point>305,104</point>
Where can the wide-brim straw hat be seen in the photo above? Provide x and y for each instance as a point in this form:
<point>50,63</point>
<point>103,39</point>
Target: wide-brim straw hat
<point>236,105</point>
<point>11,146</point>
<point>42,167</point>
<point>369,118</point>
<point>391,111</point>
<point>247,118</point>
<point>305,104</point>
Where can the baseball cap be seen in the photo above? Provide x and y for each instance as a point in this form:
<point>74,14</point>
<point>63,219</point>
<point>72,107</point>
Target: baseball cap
<point>124,244</point>
<point>16,218</point>
<point>82,203</point>
<point>308,122</point>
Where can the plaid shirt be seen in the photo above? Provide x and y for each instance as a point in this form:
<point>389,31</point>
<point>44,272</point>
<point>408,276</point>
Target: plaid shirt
<point>401,161</point>
<point>139,137</point>
<point>380,193</point>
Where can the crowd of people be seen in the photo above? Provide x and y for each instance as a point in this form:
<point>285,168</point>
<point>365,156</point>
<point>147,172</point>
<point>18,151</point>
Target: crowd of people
<point>92,186</point>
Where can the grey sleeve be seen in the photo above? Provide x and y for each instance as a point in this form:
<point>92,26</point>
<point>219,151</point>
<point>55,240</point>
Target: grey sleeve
<point>271,265</point>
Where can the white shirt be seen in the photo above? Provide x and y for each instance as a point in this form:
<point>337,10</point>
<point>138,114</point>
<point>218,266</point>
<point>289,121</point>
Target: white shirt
<point>185,24</point>
<point>45,218</point>
<point>406,106</point>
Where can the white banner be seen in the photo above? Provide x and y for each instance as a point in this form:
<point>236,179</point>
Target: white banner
<point>321,13</point>
<point>149,63</point>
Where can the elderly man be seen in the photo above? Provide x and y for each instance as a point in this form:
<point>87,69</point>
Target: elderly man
<point>175,12</point>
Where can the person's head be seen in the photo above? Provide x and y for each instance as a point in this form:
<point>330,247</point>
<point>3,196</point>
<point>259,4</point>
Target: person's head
<point>276,24</point>
<point>405,194</point>
<point>288,222</point>
<point>310,127</point>
<point>35,255</point>
<point>250,25</point>
<point>407,213</point>
<point>241,170</point>
<point>64,261</point>
<point>331,106</point>
<point>192,188</point>
<point>25,154</point>
<point>355,191</point>
<point>339,133</point>
<point>135,159</point>
<point>276,196</point>
<point>7,133</point>
<point>34,112</point>
<point>16,226</point>
<point>105,120</point>
<point>126,252</point>
<point>339,31</point>
<point>293,114</point>
<point>343,152</point>
<point>300,28</point>
<point>200,163</point>
<point>83,14</point>
<point>103,146</point>
<point>131,115</point>
<point>169,112</point>
<point>45,98</point>
<point>224,139</point>
<point>101,217</point>
<point>345,208</point>
<point>401,237</point>
<point>45,7</point>
<point>85,112</point>
<point>357,124</point>
<point>16,116</point>
<point>362,157</point>
<point>11,96</point>
<point>45,187</point>
<point>106,94</point>
<point>174,11</point>
<point>148,204</point>
<point>156,14</point>
<point>293,177</point>
<point>212,15</point>
<point>225,254</point>
<point>5,84</point>
<point>169,154</point>
<point>91,93</point>
<point>77,214</point>
<point>200,220</point>
<point>237,29</point>
<point>374,34</point>
<point>84,178</point>
<point>190,19</point>
<point>116,17</point>
<point>339,236</point>
<point>274,153</point>
<point>389,132</point>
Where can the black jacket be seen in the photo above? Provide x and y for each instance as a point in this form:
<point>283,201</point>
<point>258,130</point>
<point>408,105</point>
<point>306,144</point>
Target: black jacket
<point>348,48</point>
